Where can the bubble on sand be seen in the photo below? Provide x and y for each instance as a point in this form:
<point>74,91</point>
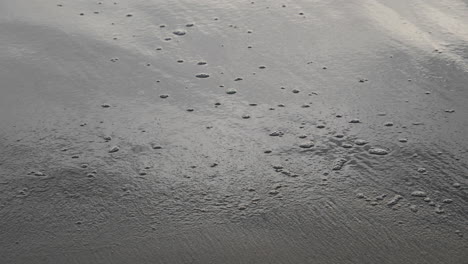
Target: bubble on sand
<point>276,134</point>
<point>307,144</point>
<point>347,145</point>
<point>179,32</point>
<point>360,196</point>
<point>354,121</point>
<point>245,116</point>
<point>242,206</point>
<point>456,185</point>
<point>238,79</point>
<point>202,75</point>
<point>439,210</point>
<point>447,201</point>
<point>394,200</point>
<point>450,110</point>
<point>273,192</point>
<point>388,124</point>
<point>378,151</point>
<point>421,170</point>
<point>155,146</point>
<point>39,173</point>
<point>380,197</point>
<point>277,167</point>
<point>114,149</point>
<point>360,142</point>
<point>403,140</point>
<point>338,164</point>
<point>419,194</point>
<point>231,91</point>
<point>413,208</point>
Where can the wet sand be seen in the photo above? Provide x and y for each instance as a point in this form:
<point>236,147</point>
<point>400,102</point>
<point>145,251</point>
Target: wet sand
<point>234,131</point>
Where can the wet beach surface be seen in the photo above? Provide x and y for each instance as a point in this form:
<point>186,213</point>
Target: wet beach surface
<point>234,131</point>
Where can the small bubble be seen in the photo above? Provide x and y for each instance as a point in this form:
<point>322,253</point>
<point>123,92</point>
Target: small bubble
<point>394,200</point>
<point>179,32</point>
<point>202,75</point>
<point>419,194</point>
<point>307,144</point>
<point>360,142</point>
<point>421,170</point>
<point>378,151</point>
<point>439,210</point>
<point>276,133</point>
<point>338,164</point>
<point>114,149</point>
<point>413,208</point>
<point>231,91</point>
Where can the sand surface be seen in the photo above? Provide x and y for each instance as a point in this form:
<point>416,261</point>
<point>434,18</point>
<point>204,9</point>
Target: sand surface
<point>231,131</point>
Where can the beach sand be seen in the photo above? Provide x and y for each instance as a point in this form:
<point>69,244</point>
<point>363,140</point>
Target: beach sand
<point>182,131</point>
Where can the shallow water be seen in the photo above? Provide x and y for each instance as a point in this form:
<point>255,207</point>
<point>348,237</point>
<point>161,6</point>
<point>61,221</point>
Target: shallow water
<point>233,131</point>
